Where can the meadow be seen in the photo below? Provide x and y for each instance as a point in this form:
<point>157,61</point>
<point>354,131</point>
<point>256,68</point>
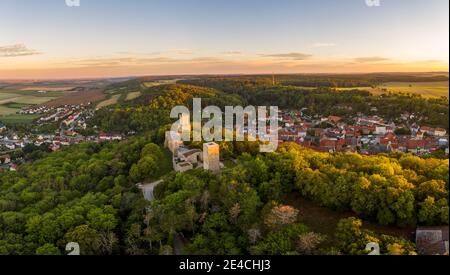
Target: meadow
<point>108,102</point>
<point>12,101</point>
<point>18,119</point>
<point>425,89</point>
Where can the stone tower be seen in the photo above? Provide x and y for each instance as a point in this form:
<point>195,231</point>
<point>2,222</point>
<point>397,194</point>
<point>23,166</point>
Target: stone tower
<point>173,141</point>
<point>211,157</point>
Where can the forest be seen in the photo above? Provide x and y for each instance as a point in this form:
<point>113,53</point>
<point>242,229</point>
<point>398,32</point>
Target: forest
<point>88,194</point>
<point>319,80</point>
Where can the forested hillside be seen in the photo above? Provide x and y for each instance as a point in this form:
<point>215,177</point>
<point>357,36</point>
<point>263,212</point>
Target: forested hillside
<point>327,101</point>
<point>87,193</point>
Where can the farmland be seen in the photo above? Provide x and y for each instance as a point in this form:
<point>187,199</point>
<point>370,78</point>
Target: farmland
<point>80,97</point>
<point>18,119</point>
<point>12,101</point>
<point>133,95</point>
<point>425,89</point>
<point>108,102</point>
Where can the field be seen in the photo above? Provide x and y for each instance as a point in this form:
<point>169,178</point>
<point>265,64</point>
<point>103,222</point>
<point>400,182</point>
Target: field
<point>48,88</point>
<point>80,97</point>
<point>18,119</point>
<point>426,89</point>
<point>108,102</point>
<point>13,100</point>
<point>159,83</point>
<point>133,95</point>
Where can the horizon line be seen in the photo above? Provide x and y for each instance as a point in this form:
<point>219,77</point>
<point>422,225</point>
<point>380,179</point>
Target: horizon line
<point>218,74</point>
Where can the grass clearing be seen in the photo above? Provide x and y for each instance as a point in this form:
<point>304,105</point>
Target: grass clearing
<point>150,84</point>
<point>108,102</point>
<point>12,100</point>
<point>5,110</point>
<point>32,100</point>
<point>132,95</point>
<point>426,89</point>
<point>16,105</point>
<point>35,93</point>
<point>18,119</point>
<point>6,96</point>
<point>48,88</point>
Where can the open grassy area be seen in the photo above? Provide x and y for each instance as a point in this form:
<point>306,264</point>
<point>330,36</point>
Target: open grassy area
<point>426,89</point>
<point>108,102</point>
<point>18,119</point>
<point>16,105</point>
<point>132,95</point>
<point>11,101</point>
<point>35,93</point>
<point>159,83</point>
<point>6,110</point>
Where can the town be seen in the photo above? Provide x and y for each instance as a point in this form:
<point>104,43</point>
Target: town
<point>367,135</point>
<point>70,119</point>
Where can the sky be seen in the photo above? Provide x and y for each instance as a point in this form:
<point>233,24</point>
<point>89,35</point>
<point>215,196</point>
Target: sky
<point>108,38</point>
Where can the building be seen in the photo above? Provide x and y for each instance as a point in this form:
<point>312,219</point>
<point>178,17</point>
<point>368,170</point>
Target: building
<point>211,157</point>
<point>380,130</point>
<point>173,141</point>
<point>432,240</point>
<point>328,145</point>
<point>183,166</point>
<point>186,159</point>
<point>109,137</point>
<point>334,119</point>
<point>439,132</point>
<point>416,146</point>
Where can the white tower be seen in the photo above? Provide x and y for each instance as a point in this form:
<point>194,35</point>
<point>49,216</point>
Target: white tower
<point>211,157</point>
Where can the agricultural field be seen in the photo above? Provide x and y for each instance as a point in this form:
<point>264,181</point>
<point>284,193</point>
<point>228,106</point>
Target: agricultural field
<point>132,95</point>
<point>18,119</point>
<point>79,97</point>
<point>108,102</point>
<point>425,89</point>
<point>150,84</point>
<point>12,101</point>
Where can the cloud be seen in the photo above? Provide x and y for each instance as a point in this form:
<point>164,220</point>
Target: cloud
<point>16,50</point>
<point>323,45</point>
<point>373,59</point>
<point>289,56</point>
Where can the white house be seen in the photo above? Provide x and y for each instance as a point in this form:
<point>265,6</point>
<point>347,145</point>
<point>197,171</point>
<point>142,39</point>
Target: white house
<point>380,130</point>
<point>440,132</point>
